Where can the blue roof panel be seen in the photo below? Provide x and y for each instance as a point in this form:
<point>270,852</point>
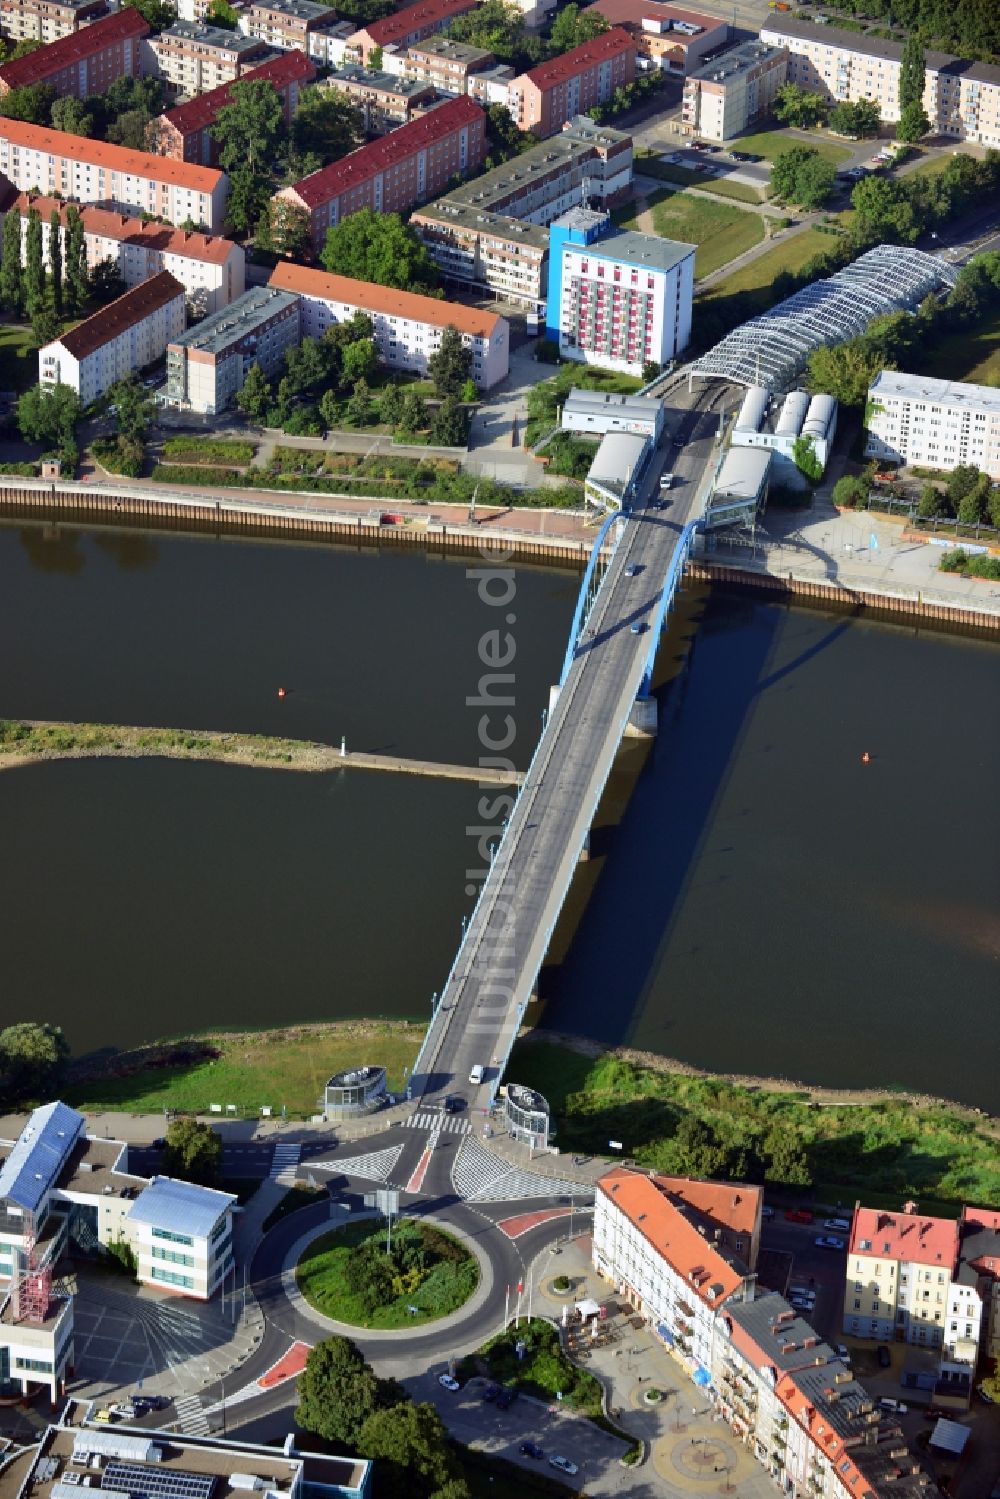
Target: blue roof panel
<point>39,1155</point>
<point>180,1206</point>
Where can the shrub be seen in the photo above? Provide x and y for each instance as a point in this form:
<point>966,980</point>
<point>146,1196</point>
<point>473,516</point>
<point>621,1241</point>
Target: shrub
<point>207,450</point>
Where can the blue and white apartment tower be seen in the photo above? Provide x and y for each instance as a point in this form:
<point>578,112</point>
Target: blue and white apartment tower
<point>617,299</point>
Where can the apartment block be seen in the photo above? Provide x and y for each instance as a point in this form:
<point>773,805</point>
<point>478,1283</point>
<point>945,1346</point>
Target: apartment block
<point>491,231</point>
<point>286,24</point>
<point>961,98</point>
<point>734,91</point>
<point>50,162</point>
<point>83,62</point>
<point>127,335</point>
<point>545,98</point>
<point>666,37</point>
<point>979,1270</point>
<point>899,1268</point>
<point>408,328</point>
<point>47,20</point>
<point>393,174</point>
<point>185,132</point>
<point>446,65</point>
<point>406,27</point>
<point>81,1452</point>
<point>207,365</point>
<point>385,99</point>
<point>210,269</point>
<point>193,58</point>
<point>617,298</point>
<point>914,419</point>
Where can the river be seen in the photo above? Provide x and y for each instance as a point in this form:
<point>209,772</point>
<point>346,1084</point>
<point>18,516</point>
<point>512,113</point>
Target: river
<point>769,903</point>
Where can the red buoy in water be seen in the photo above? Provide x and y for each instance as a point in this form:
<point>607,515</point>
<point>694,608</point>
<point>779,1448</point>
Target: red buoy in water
<point>866,758</point>
<point>281,691</point>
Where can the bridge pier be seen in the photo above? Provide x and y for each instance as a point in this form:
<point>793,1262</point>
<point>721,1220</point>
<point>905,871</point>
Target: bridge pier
<point>642,720</point>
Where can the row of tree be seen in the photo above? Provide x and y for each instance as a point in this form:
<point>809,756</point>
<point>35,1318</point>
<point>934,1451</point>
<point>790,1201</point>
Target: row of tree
<point>122,115</point>
<point>33,1056</point>
<point>971,28</point>
<point>967,495</point>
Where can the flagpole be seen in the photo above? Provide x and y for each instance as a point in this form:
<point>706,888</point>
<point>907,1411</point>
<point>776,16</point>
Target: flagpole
<point>530,1269</point>
<point>506,1309</point>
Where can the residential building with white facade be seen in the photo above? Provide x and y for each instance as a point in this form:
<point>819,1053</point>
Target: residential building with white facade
<point>47,20</point>
<point>491,231</point>
<point>407,327</point>
<point>207,365</point>
<point>899,1269</point>
<point>193,58</point>
<point>732,92</point>
<point>915,419</point>
<point>617,298</point>
<point>961,98</point>
<point>286,24</point>
<point>182,1236</point>
<point>127,335</point>
<point>385,99</point>
<point>598,412</point>
<point>212,270</point>
<point>439,62</point>
<point>39,160</point>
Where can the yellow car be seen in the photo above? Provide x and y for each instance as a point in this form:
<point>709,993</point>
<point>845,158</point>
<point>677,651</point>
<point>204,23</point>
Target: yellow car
<point>105,1416</point>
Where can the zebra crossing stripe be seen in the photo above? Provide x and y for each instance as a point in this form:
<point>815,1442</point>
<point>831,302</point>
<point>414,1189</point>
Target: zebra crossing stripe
<point>192,1415</point>
<point>438,1124</point>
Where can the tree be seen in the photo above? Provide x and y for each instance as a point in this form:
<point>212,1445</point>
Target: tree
<point>328,123</point>
<point>450,426</point>
<point>255,397</point>
<point>289,229</point>
<point>375,60</point>
<point>498,26</point>
<point>502,135</point>
<point>359,406</point>
<point>857,120</point>
<point>932,502</point>
<point>135,408</point>
<point>11,276</point>
<point>55,262</point>
<point>72,115</point>
<point>797,106</point>
<point>358,361</point>
<point>884,209</point>
<point>410,1443</point>
<point>44,325</point>
<point>130,129</point>
<point>250,127</point>
<point>805,459</point>
<point>802,176</point>
<point>451,363</point>
<point>307,365</point>
<point>220,13</point>
<point>32,1055</point>
<point>48,414</point>
<point>470,391</point>
<point>787,1160</point>
<point>104,282</point>
<point>413,417</point>
<point>379,247</point>
<point>34,269</point>
<point>974,507</point>
<point>846,370</point>
<point>849,492</point>
<point>32,103</point>
<point>76,262</point>
<point>571,29</point>
<point>913,122</point>
<point>193,1151</point>
<point>390,406</point>
<point>338,1392</point>
<point>249,195</point>
<point>158,13</point>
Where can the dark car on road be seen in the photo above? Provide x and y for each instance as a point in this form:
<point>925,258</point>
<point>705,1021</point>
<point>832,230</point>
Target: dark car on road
<point>454,1103</point>
<point>884,1356</point>
<point>490,1392</point>
<point>506,1398</point>
<point>530,1449</point>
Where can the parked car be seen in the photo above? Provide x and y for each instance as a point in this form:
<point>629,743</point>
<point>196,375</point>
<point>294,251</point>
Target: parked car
<point>105,1416</point>
<point>837,1225</point>
<point>638,628</point>
<point>798,1215</point>
<point>506,1398</point>
<point>666,481</point>
<point>843,1351</point>
<point>631,570</point>
<point>447,1383</point>
<point>766,1212</point>
<point>454,1103</point>
<point>894,1407</point>
<point>530,1449</point>
<point>564,1465</point>
<point>490,1392</point>
<point>803,1303</point>
<point>884,1356</point>
<point>829,1241</point>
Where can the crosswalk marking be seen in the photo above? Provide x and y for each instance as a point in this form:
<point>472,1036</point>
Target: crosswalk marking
<point>439,1123</point>
<point>480,1176</point>
<point>191,1415</point>
<point>285,1161</point>
<point>375,1166</point>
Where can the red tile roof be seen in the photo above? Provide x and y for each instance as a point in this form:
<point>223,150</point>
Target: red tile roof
<point>420,17</point>
<point>905,1236</point>
<point>733,1204</point>
<point>112,158</point>
<point>110,225</point>
<point>101,327</point>
<point>710,1276</point>
<point>560,69</point>
<point>371,297</point>
<point>197,113</point>
<point>41,64</point>
<point>329,182</point>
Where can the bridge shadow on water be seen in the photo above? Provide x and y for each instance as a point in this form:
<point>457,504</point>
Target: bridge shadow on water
<point>714,663</point>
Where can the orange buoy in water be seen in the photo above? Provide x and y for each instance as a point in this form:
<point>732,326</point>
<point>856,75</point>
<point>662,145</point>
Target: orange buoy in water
<point>281,691</point>
<point>866,758</point>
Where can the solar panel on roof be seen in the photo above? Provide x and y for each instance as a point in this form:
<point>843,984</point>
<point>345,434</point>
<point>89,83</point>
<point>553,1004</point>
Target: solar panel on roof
<point>157,1483</point>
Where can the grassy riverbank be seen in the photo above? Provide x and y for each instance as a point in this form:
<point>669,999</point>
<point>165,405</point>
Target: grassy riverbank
<point>21,742</point>
<point>882,1147</point>
<point>250,1069</point>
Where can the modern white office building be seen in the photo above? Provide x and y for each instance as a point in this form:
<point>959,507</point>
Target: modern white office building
<point>127,335</point>
<point>914,419</point>
<point>407,327</point>
<point>182,1236</point>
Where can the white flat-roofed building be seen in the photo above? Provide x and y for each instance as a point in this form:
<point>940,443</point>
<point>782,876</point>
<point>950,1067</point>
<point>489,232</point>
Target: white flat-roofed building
<point>779,423</point>
<point>666,36</point>
<point>38,1350</point>
<point>127,335</point>
<point>740,489</point>
<point>207,365</point>
<point>734,91</point>
<point>914,419</point>
<point>193,58</point>
<point>408,328</point>
<point>596,411</point>
<point>182,1235</point>
<point>619,464</point>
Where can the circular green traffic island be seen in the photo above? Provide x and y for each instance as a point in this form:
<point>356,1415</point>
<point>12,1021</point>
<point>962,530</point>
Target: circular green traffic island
<point>652,1397</point>
<point>562,1285</point>
<point>350,1275</point>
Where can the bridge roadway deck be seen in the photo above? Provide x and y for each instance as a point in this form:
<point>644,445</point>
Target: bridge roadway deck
<point>483,1002</point>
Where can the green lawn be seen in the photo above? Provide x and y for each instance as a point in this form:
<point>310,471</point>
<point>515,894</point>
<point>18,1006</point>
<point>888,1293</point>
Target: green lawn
<point>972,355</point>
<point>932,165</point>
<point>720,233</point>
<point>790,253</point>
<point>258,1068</point>
<point>771,143</point>
<point>18,357</point>
<point>666,171</point>
<point>425,1268</point>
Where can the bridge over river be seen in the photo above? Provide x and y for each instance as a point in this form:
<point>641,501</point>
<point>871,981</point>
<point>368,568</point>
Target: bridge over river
<point>608,666</point>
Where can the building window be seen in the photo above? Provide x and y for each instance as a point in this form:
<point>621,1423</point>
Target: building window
<point>164,1233</point>
<point>169,1278</point>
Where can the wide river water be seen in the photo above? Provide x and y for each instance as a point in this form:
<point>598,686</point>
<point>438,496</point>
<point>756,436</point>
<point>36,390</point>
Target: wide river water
<point>768,904</point>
